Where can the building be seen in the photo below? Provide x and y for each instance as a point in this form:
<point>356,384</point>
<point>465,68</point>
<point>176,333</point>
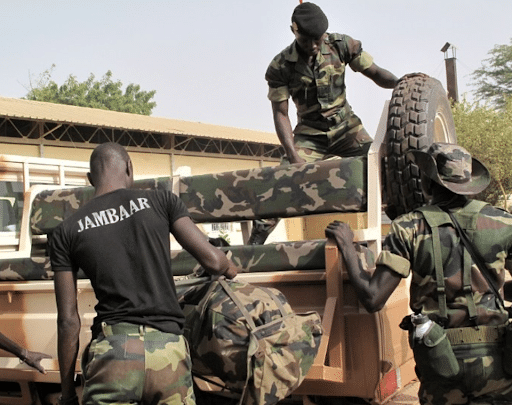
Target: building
<point>157,146</point>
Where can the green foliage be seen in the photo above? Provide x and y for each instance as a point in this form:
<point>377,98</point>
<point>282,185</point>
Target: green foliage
<point>105,94</point>
<point>487,134</point>
<point>224,235</point>
<point>494,78</point>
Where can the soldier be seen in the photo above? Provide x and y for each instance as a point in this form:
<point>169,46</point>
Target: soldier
<point>120,239</point>
<point>33,359</point>
<point>312,71</point>
<point>446,285</point>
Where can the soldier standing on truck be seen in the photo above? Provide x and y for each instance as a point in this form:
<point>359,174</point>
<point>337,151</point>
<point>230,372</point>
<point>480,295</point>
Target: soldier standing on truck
<point>463,320</point>
<point>33,359</point>
<point>312,71</point>
<point>120,239</point>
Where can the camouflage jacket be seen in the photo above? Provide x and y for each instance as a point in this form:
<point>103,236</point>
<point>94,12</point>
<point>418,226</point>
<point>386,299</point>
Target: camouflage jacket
<point>318,92</point>
<point>408,247</point>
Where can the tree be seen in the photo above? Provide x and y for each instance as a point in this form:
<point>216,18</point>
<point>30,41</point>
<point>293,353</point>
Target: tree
<point>487,134</point>
<point>494,78</point>
<point>105,94</point>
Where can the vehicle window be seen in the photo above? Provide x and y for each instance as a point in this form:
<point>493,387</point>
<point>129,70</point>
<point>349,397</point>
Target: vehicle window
<point>11,205</point>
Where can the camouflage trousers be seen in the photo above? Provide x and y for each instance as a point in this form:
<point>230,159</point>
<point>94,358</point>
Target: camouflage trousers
<point>346,139</point>
<point>481,379</point>
<point>135,364</point>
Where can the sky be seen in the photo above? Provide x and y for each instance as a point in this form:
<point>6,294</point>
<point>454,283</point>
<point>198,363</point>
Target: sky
<point>207,59</point>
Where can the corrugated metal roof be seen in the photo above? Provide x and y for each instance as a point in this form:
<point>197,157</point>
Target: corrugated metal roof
<point>67,114</point>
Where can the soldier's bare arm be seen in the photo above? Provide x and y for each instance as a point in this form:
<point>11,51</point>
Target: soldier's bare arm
<point>284,130</point>
<point>68,328</point>
<point>213,260</point>
<point>33,359</point>
<point>372,290</point>
<point>382,77</point>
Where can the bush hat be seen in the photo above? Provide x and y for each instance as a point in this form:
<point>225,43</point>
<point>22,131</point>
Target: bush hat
<point>310,20</point>
<point>451,166</point>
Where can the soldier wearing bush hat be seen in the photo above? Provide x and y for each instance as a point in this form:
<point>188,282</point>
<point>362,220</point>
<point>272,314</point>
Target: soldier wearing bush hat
<point>312,72</point>
<point>452,167</point>
<point>447,286</point>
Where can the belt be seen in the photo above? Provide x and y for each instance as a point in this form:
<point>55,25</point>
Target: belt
<point>125,328</point>
<point>480,334</point>
<point>326,123</point>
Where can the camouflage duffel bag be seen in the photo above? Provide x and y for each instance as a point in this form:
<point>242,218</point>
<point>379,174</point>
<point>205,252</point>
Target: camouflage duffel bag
<point>250,338</point>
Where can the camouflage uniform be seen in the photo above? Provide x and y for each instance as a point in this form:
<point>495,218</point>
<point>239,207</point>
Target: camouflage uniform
<point>138,353</point>
<point>123,363</point>
<point>409,248</point>
<point>326,123</point>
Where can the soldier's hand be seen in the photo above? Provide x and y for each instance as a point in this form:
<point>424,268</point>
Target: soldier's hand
<point>33,359</point>
<point>340,232</point>
<point>296,159</point>
<point>232,271</point>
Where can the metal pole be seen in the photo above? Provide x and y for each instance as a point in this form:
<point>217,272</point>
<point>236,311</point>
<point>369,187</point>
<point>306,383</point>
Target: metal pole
<point>451,71</point>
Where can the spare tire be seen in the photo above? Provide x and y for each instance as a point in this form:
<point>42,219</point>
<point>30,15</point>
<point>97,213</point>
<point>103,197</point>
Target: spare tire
<point>419,114</point>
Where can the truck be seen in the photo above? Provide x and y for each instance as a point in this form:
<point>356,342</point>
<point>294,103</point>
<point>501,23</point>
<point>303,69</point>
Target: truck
<point>362,357</point>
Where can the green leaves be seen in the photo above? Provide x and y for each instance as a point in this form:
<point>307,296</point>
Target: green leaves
<point>487,134</point>
<point>484,128</point>
<point>105,94</point>
<point>494,78</point>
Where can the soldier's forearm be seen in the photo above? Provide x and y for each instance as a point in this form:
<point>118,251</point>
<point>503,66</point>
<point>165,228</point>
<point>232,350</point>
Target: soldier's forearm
<point>285,134</point>
<point>68,352</point>
<point>381,77</point>
<point>10,346</point>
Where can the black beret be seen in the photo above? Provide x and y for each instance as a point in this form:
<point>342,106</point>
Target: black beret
<point>310,20</point>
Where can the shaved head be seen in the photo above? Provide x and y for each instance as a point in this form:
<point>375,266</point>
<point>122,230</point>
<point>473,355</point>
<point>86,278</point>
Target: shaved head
<point>109,164</point>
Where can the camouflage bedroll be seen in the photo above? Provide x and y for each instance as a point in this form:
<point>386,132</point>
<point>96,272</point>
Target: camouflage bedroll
<point>337,185</point>
<point>280,256</point>
<point>51,207</point>
<point>249,338</point>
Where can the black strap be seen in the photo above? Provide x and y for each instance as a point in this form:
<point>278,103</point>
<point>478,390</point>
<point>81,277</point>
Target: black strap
<point>476,258</point>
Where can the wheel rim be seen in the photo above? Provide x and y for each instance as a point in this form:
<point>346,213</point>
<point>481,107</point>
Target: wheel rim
<point>441,132</point>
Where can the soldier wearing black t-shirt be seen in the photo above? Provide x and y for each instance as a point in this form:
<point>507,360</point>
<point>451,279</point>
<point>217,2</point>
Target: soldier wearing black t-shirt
<point>120,239</point>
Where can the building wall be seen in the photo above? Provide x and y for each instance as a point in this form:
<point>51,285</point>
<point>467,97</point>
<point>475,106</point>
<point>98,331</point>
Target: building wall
<point>57,152</point>
<point>206,164</point>
<point>150,164</point>
<point>146,164</point>
<point>19,149</point>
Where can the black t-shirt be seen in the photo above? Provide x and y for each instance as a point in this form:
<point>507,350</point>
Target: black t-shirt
<point>121,242</point>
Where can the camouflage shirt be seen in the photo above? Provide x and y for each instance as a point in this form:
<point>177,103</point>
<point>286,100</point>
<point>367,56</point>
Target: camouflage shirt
<point>318,92</point>
<point>408,248</point>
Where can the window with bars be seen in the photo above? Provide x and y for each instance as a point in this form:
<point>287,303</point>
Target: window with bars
<point>221,226</point>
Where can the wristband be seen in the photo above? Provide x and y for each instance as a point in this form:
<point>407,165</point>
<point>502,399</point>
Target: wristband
<point>23,356</point>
